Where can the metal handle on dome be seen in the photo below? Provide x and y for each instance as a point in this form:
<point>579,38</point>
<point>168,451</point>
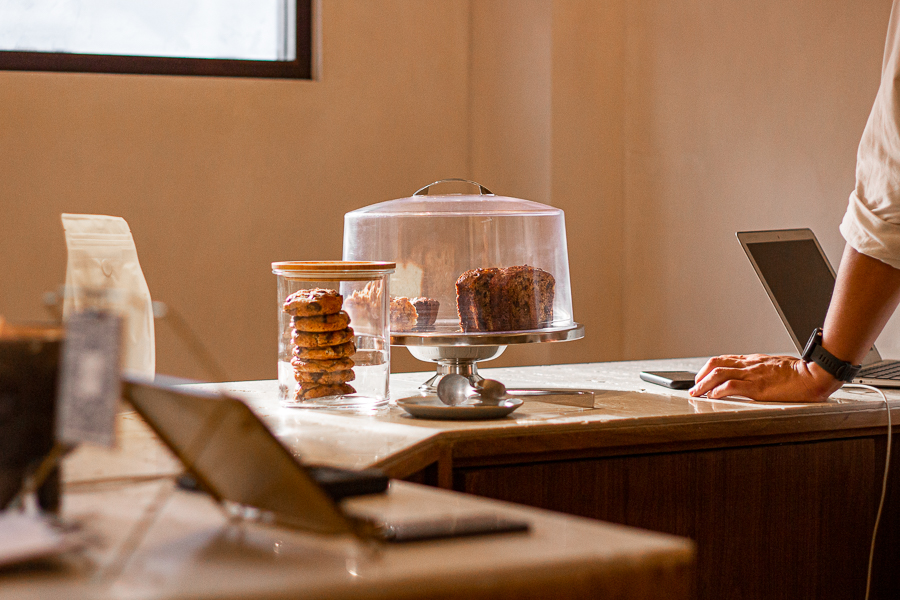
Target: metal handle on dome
<point>483,190</point>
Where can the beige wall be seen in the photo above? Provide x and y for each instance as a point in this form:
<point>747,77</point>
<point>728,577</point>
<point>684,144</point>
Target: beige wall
<point>739,116</point>
<point>546,124</point>
<point>220,177</point>
<point>660,128</point>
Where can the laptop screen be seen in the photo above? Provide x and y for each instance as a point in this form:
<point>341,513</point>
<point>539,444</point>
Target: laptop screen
<point>799,281</point>
<point>798,278</point>
<point>234,456</point>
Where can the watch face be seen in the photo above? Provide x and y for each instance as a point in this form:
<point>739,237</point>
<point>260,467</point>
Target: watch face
<point>814,340</point>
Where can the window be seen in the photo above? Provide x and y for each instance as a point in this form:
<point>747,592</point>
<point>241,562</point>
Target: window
<point>237,38</point>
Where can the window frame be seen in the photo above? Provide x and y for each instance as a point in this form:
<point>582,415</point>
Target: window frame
<point>62,62</point>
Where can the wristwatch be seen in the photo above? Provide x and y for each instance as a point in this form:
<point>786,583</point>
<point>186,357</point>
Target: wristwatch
<point>837,368</point>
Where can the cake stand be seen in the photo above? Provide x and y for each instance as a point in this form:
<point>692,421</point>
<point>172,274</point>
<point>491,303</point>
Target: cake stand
<point>459,353</point>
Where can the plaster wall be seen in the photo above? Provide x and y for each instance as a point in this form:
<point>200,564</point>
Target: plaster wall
<point>739,116</point>
<point>219,177</point>
<point>660,128</point>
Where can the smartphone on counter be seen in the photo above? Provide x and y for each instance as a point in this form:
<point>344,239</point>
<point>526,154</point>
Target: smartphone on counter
<point>676,380</point>
<point>451,527</point>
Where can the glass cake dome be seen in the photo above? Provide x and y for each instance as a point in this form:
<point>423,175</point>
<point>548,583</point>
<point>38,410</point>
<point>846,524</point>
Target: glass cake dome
<point>467,263</point>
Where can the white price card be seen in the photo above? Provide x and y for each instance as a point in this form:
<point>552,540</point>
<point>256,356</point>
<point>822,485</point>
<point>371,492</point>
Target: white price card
<point>90,385</point>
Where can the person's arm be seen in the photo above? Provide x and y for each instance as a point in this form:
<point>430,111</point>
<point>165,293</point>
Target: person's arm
<point>865,295</point>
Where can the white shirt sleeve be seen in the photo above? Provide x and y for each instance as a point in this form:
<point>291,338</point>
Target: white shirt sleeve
<point>871,224</point>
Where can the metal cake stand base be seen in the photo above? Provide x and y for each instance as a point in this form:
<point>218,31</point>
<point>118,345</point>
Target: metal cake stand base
<point>459,353</point>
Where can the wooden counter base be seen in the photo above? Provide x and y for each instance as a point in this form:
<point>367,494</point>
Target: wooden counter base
<point>785,521</point>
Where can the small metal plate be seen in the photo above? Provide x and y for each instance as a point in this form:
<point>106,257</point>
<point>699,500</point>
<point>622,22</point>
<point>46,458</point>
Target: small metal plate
<point>431,407</point>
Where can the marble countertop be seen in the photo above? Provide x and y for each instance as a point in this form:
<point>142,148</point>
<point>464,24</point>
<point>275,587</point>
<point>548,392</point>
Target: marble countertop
<point>192,550</point>
<point>625,410</point>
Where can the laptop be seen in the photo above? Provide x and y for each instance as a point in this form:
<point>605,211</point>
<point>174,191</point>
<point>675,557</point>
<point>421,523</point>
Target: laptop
<point>231,455</point>
<point>799,280</point>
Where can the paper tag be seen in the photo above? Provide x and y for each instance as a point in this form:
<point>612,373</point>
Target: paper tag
<point>89,386</point>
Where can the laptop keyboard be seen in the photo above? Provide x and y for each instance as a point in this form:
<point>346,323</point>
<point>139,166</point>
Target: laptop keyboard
<point>889,369</point>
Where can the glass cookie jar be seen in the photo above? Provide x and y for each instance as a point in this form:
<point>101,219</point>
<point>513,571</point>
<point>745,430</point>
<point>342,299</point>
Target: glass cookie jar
<point>333,333</point>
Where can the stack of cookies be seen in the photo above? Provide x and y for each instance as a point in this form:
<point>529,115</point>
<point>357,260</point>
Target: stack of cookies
<point>322,344</point>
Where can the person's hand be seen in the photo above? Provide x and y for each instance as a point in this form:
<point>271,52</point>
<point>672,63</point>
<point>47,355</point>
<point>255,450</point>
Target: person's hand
<point>764,378</point>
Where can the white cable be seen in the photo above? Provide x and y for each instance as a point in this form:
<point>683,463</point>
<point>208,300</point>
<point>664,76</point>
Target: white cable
<point>887,464</point>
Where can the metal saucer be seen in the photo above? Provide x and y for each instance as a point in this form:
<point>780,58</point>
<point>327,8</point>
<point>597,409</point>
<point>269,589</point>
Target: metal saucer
<point>431,407</point>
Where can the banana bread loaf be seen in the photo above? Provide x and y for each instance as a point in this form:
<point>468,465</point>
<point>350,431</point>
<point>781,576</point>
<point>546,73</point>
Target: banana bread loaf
<point>505,299</point>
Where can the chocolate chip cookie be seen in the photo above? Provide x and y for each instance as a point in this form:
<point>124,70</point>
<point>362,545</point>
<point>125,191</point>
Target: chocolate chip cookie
<point>313,302</point>
<point>324,378</point>
<point>333,322</point>
<point>307,365</point>
<point>310,339</point>
<point>326,352</point>
<point>308,391</point>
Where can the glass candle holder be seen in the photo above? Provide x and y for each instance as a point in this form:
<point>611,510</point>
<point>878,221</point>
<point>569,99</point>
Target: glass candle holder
<point>334,346</point>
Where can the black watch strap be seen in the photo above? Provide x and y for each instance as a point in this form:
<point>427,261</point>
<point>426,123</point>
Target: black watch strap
<point>837,368</point>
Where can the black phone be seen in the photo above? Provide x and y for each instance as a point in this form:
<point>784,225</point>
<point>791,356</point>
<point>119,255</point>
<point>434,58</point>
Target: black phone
<point>676,380</point>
